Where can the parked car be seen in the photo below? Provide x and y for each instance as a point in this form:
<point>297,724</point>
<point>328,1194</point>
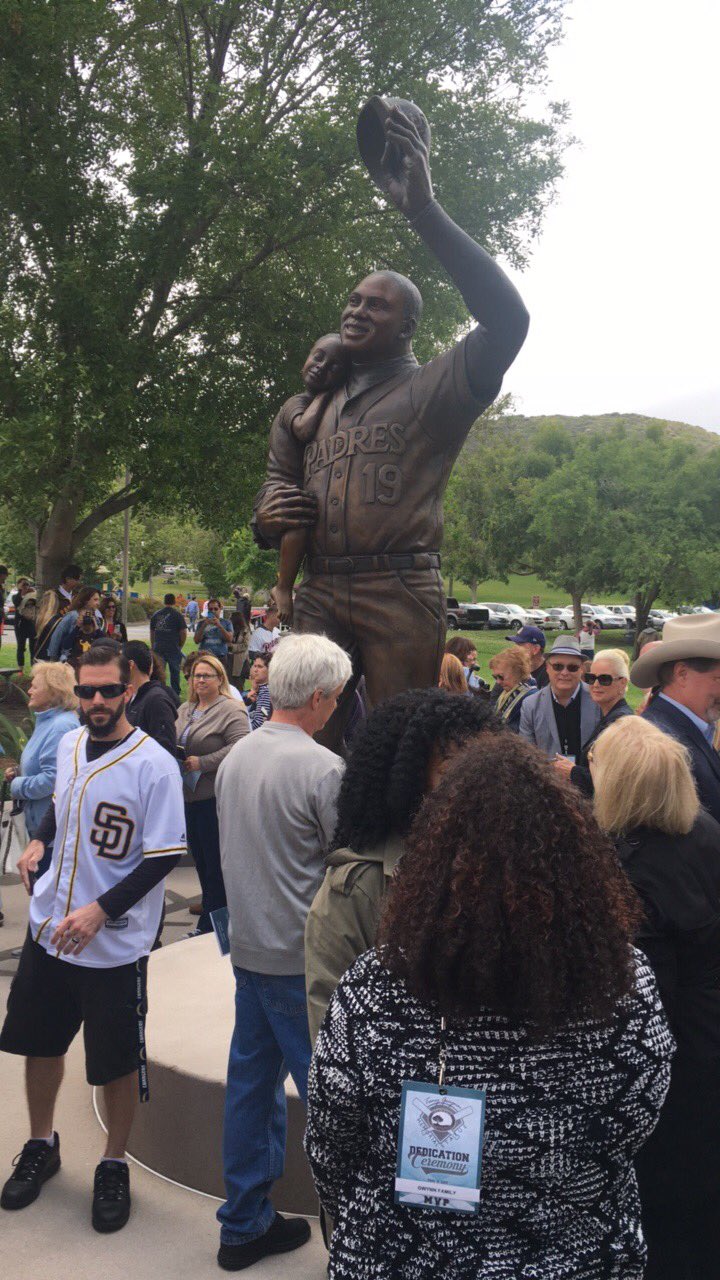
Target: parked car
<point>624,611</point>
<point>561,619</point>
<point>9,609</point>
<point>605,619</point>
<point>539,618</point>
<point>466,617</point>
<point>658,617</point>
<point>513,616</point>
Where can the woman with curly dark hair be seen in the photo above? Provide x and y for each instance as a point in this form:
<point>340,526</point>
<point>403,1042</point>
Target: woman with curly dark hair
<point>504,953</point>
<point>399,754</point>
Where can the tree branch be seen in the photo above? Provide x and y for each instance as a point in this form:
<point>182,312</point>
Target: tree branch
<point>112,506</point>
<point>231,285</point>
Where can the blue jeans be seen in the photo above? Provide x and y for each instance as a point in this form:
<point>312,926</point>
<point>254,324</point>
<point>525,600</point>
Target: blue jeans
<point>271,1037</point>
<point>173,662</point>
<point>203,837</point>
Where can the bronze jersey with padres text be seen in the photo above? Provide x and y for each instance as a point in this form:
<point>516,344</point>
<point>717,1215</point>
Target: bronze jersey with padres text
<point>381,459</point>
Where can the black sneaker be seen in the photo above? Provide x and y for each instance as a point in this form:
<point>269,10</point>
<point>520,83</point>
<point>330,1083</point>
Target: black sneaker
<point>111,1196</point>
<point>36,1163</point>
<point>282,1236</point>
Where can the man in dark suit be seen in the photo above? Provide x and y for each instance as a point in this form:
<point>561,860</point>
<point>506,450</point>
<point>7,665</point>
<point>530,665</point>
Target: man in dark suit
<point>685,666</point>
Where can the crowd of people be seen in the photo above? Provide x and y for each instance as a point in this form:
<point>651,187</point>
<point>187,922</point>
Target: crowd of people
<point>510,894</point>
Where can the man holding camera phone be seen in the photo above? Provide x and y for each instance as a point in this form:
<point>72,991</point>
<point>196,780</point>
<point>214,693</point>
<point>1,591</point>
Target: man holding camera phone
<point>214,634</point>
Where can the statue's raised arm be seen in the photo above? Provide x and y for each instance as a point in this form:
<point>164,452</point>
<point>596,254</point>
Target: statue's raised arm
<point>403,172</point>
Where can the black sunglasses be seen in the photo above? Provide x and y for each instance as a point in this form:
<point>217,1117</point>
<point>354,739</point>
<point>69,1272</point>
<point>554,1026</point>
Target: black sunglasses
<point>565,666</point>
<point>87,691</point>
<point>605,680</point>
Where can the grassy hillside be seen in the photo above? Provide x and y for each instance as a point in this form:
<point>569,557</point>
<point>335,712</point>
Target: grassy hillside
<point>634,423</point>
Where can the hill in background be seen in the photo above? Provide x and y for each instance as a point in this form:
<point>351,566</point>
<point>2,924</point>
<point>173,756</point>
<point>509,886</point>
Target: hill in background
<point>632,422</point>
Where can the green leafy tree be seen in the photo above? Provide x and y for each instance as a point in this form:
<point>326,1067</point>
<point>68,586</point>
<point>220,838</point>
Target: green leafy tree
<point>614,506</point>
<point>465,553</point>
<point>213,570</point>
<point>183,211</point>
<point>662,536</point>
<point>247,564</point>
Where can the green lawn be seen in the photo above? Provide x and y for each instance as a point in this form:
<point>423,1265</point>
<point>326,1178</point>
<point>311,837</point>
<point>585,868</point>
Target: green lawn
<point>486,642</point>
<point>520,589</point>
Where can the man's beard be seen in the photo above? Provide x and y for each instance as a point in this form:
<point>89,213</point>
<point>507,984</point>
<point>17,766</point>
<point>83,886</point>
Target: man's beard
<point>104,729</point>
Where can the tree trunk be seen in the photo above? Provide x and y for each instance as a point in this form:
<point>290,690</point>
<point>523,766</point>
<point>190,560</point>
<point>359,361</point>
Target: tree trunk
<point>451,584</point>
<point>644,601</point>
<point>473,590</point>
<point>576,601</point>
<point>54,544</point>
<point>150,586</point>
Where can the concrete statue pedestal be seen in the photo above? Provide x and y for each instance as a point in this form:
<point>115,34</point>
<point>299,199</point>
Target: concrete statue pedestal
<point>178,1133</point>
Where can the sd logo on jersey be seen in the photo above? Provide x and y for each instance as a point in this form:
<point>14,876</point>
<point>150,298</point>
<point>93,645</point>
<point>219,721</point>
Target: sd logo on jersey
<point>111,831</point>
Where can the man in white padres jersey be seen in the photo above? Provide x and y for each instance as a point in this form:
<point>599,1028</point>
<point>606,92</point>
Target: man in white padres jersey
<point>118,825</point>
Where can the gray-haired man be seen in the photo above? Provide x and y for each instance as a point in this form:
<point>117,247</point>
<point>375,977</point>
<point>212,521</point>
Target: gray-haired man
<point>276,798</point>
<point>561,717</point>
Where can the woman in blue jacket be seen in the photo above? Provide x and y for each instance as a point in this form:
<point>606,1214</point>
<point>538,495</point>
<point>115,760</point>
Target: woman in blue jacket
<point>86,600</point>
<point>52,699</point>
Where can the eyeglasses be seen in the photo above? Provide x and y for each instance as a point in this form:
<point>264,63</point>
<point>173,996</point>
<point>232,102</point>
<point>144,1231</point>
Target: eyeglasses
<point>604,680</point>
<point>86,692</point>
<point>205,675</point>
<point>565,666</point>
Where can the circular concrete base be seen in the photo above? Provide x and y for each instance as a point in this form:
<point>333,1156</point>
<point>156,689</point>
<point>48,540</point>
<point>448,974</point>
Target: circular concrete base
<point>178,1133</point>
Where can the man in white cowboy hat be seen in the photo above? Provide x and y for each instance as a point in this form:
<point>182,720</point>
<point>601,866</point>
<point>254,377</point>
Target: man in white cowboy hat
<point>685,665</point>
<point>562,716</point>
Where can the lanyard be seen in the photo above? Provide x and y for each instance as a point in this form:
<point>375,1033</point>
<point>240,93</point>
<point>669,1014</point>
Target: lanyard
<point>440,1143</point>
<point>443,1055</point>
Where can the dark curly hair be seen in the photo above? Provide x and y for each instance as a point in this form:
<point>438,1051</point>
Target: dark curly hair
<point>385,778</point>
<point>509,897</point>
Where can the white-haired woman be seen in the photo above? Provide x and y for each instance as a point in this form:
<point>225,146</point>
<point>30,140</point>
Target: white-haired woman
<point>53,702</point>
<point>670,848</point>
<point>208,724</point>
<point>608,679</point>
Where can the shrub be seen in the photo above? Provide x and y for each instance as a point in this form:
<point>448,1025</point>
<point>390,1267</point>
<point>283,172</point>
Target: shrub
<point>138,611</point>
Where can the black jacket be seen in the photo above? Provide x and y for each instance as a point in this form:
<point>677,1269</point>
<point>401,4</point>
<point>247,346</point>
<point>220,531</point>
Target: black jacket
<point>678,880</point>
<point>153,710</point>
<point>704,759</point>
<point>580,774</point>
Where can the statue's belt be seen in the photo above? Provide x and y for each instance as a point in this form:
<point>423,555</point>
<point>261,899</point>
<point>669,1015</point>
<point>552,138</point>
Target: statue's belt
<point>374,564</point>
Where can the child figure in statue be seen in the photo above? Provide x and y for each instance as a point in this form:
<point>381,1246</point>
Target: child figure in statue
<point>323,372</point>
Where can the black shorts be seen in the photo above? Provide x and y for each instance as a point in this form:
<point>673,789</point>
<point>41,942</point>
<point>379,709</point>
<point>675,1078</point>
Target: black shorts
<point>50,998</point>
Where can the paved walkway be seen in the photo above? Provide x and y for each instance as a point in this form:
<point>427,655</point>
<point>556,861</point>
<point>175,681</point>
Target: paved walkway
<point>172,1233</point>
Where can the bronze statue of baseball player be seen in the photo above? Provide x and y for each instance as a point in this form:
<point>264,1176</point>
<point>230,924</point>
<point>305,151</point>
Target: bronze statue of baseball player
<point>370,484</point>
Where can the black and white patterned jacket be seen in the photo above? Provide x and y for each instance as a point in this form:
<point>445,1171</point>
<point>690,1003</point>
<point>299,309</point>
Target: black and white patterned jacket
<point>564,1119</point>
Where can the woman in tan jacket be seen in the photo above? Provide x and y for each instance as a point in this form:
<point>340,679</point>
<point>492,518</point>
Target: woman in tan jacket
<point>398,756</point>
<point>207,726</point>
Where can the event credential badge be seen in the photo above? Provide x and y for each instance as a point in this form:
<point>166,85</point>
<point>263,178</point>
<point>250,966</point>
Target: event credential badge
<point>440,1148</point>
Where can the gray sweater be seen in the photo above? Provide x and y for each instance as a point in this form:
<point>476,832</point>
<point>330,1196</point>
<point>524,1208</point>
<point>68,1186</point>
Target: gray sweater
<point>210,738</point>
<point>276,796</point>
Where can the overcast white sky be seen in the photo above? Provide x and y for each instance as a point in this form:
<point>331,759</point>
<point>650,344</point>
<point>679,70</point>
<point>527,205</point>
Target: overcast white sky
<point>624,283</point>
